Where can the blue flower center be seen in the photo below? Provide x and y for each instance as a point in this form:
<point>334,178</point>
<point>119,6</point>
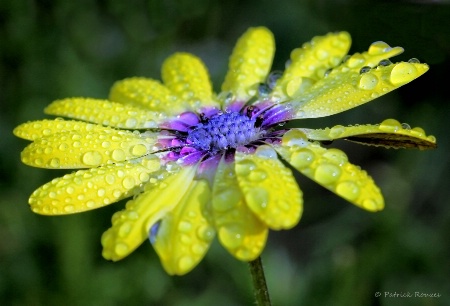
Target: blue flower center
<point>224,131</point>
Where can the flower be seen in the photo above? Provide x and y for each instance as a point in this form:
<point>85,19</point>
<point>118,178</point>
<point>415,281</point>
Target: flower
<point>198,164</point>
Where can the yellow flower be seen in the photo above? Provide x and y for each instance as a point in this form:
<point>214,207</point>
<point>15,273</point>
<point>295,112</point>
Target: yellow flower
<point>198,164</point>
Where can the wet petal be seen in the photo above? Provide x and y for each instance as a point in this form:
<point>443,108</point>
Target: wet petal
<point>106,113</point>
<point>130,227</point>
<point>79,149</point>
<point>187,77</point>
<point>239,230</point>
<point>345,89</point>
<point>147,93</point>
<point>185,233</point>
<point>331,169</point>
<point>42,128</point>
<point>390,134</point>
<point>249,63</point>
<point>312,61</point>
<point>269,188</point>
<point>89,189</point>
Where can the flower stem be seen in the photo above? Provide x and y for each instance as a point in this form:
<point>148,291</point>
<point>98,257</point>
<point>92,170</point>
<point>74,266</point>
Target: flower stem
<point>259,282</point>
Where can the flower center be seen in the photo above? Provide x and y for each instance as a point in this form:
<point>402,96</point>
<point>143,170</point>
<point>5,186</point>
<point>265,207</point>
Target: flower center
<point>224,131</point>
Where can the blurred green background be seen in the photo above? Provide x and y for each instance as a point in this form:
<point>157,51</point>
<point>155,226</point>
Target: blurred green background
<point>337,255</point>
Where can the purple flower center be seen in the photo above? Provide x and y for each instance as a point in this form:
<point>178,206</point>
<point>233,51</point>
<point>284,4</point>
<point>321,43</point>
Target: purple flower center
<point>224,131</point>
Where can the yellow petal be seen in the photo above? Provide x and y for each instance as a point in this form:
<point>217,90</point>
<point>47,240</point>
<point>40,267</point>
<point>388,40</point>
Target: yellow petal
<point>106,113</point>
<point>147,93</point>
<point>89,189</point>
<point>249,63</point>
<point>185,233</point>
<point>390,134</point>
<point>331,169</point>
<point>80,149</point>
<point>130,227</point>
<point>345,88</point>
<point>239,230</point>
<point>269,188</point>
<point>41,128</point>
<point>187,77</point>
<point>312,61</point>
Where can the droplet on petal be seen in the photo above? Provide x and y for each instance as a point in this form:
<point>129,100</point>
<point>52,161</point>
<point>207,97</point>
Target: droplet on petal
<point>390,125</point>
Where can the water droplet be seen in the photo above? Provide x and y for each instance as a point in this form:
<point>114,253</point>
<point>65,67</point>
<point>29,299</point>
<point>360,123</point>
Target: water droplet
<point>321,54</point>
<point>368,81</point>
<point>418,131</point>
<point>263,90</point>
<point>302,158</point>
<point>110,179</point>
<point>92,158</point>
<point>431,138</point>
<point>348,190</point>
<point>139,150</point>
<point>231,236</point>
<point>413,61</point>
<point>292,86</point>
<point>385,63</point>
<point>257,198</point>
<point>70,190</point>
<point>63,147</point>
<point>273,77</point>
<point>106,144</point>
<point>327,174</point>
<point>128,182</point>
<point>144,177</point>
<point>378,47</point>
<point>355,61</point>
<point>198,249</point>
<point>336,131</point>
<point>403,73</point>
<point>124,229</point>
<point>54,163</point>
<point>121,249</point>
<point>365,69</point>
<point>244,167</point>
<point>370,204</point>
<point>90,204</point>
<point>185,263</point>
<point>225,200</point>
<point>257,175</point>
<point>295,137</point>
<point>69,208</point>
<point>327,72</point>
<point>101,192</point>
<point>131,123</point>
<point>390,125</point>
<point>266,152</point>
<point>185,226</point>
<point>205,233</point>
<point>118,155</point>
<point>337,156</point>
<point>406,126</point>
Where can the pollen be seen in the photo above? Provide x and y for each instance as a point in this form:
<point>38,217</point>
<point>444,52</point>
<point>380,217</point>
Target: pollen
<point>224,131</point>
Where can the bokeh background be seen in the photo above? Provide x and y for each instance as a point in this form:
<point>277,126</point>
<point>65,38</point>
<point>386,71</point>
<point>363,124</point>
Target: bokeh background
<point>337,255</point>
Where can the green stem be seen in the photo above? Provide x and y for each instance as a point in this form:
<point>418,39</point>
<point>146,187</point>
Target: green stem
<point>259,282</point>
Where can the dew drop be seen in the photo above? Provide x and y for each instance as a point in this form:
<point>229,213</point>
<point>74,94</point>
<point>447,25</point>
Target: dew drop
<point>403,73</point>
<point>70,190</point>
<point>368,81</point>
<point>106,144</point>
<point>273,77</point>
<point>55,163</point>
<point>69,208</point>
<point>185,226</point>
<point>384,63</point>
<point>243,168</point>
<point>418,131</point>
<point>370,204</point>
<point>364,69</point>
<point>90,204</point>
<point>327,174</point>
<point>413,61</point>
<point>263,90</point>
<point>266,152</point>
<point>257,198</point>
<point>225,200</point>
<point>390,125</point>
<point>292,86</point>
<point>295,137</point>
<point>131,123</point>
<point>348,190</point>
<point>185,263</point>
<point>92,158</point>
<point>205,233</point>
<point>118,155</point>
<point>257,175</point>
<point>63,147</point>
<point>139,150</point>
<point>336,131</point>
<point>378,47</point>
<point>406,126</point>
<point>355,61</point>
<point>128,182</point>
<point>302,158</point>
<point>231,236</point>
<point>110,179</point>
<point>336,156</point>
<point>124,229</point>
<point>101,192</point>
<point>121,249</point>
